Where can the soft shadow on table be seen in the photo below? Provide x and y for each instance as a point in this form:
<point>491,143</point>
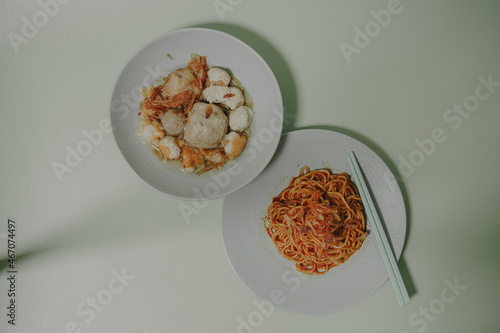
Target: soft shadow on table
<point>403,267</point>
<point>5,265</point>
<point>105,227</point>
<point>92,231</point>
<point>288,88</point>
<point>274,59</point>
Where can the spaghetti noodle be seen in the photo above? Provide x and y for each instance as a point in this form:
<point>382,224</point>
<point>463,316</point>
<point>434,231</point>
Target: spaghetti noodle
<point>317,221</point>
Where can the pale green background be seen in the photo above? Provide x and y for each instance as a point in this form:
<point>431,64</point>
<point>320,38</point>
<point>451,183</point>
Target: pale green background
<point>72,234</point>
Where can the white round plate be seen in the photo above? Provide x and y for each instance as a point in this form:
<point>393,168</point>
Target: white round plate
<point>274,278</point>
<point>173,51</point>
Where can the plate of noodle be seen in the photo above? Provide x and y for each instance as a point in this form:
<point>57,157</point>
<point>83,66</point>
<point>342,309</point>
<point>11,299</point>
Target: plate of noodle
<point>196,113</point>
<point>304,243</point>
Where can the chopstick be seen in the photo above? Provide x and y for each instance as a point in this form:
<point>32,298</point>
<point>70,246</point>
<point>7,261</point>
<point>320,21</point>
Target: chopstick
<point>380,235</point>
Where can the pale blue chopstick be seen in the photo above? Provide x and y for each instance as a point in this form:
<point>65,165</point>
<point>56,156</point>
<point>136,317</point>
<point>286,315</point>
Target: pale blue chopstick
<point>380,235</point>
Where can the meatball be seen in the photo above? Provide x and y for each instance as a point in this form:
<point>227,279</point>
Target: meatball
<point>179,81</point>
<point>218,77</point>
<point>169,148</point>
<point>239,119</point>
<point>233,143</point>
<point>150,134</point>
<point>230,97</point>
<point>205,126</point>
<point>173,122</point>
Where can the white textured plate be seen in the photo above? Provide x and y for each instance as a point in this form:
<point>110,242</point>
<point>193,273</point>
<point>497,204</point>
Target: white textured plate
<point>274,278</point>
<point>172,51</point>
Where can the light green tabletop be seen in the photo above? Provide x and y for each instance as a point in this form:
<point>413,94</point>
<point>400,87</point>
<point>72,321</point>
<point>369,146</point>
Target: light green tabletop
<point>95,250</point>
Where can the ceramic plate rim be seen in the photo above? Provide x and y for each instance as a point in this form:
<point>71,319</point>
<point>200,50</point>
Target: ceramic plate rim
<point>275,87</point>
<point>233,259</point>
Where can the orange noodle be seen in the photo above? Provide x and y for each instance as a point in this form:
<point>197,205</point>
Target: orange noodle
<point>317,221</point>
